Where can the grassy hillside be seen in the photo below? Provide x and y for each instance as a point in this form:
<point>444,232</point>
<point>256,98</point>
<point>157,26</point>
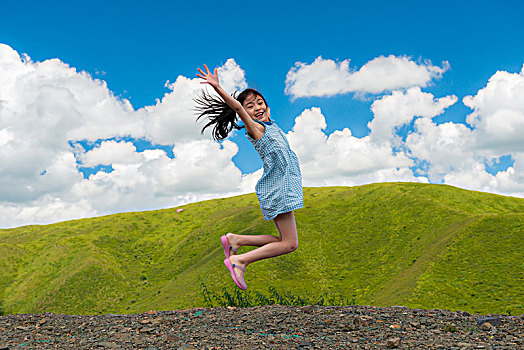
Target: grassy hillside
<point>418,245</point>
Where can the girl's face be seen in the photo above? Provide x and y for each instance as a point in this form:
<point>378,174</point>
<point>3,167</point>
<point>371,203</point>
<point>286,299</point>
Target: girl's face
<point>256,108</point>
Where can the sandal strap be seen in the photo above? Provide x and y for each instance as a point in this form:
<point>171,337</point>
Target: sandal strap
<point>233,249</point>
<point>239,267</point>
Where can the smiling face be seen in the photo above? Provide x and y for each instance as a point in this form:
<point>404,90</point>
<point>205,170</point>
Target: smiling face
<point>256,107</point>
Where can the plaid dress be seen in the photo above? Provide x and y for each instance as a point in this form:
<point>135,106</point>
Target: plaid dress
<point>279,190</point>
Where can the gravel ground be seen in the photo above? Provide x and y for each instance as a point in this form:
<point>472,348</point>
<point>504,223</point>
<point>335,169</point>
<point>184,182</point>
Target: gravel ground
<point>266,327</point>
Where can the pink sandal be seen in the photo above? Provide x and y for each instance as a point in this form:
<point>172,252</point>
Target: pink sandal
<point>227,247</point>
<point>231,267</point>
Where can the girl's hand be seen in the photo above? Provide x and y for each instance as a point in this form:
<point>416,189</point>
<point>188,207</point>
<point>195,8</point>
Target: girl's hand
<point>211,79</point>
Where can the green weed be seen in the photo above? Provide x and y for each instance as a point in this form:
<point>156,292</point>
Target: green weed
<point>239,298</point>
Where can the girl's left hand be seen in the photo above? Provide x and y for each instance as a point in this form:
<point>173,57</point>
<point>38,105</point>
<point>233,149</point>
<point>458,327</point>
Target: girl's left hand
<point>211,79</point>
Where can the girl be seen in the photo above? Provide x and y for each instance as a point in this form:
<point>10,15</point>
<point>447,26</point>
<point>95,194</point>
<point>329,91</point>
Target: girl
<point>279,190</point>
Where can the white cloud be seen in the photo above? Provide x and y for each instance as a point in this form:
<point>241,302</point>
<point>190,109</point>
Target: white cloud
<point>152,180</point>
<point>400,108</point>
<point>110,152</point>
<point>48,110</point>
<point>452,153</point>
<point>444,148</point>
<point>44,210</point>
<point>325,77</point>
<point>498,114</point>
<point>232,77</point>
<point>506,182</point>
<point>342,159</point>
<point>172,119</point>
<point>5,137</point>
<point>457,154</point>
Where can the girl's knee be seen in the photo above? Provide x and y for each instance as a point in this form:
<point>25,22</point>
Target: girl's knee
<point>292,246</point>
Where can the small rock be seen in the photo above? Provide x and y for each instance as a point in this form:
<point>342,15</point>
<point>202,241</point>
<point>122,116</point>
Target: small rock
<point>347,328</point>
<point>486,326</point>
<point>307,308</point>
<point>415,324</point>
<point>156,321</point>
<point>362,320</point>
<point>186,347</point>
<point>393,342</point>
<point>494,321</point>
<point>171,337</point>
<point>122,336</point>
<point>146,330</point>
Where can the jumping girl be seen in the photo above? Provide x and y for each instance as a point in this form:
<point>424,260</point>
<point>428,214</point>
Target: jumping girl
<point>279,190</point>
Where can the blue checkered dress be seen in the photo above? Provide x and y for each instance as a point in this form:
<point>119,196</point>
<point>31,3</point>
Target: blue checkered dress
<point>279,190</point>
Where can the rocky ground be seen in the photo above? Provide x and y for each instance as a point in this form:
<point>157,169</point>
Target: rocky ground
<point>267,327</point>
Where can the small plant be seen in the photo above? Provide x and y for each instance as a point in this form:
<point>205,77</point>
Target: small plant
<point>250,299</point>
<point>205,295</point>
<point>450,328</point>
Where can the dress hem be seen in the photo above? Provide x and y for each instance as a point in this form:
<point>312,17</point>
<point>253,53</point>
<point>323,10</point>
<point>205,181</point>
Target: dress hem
<point>282,211</point>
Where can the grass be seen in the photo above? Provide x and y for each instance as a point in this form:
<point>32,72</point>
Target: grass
<point>418,245</point>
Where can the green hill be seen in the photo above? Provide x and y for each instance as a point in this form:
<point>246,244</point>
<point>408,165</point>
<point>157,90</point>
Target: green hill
<point>418,245</point>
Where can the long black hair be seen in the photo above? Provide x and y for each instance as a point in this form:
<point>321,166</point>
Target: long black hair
<point>219,115</point>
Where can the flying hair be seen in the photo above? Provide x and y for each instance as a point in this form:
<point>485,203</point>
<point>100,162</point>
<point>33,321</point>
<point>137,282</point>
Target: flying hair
<point>218,114</point>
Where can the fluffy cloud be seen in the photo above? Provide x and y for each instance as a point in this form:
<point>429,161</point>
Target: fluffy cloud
<point>498,114</point>
<point>475,177</point>
<point>443,148</point>
<point>54,120</point>
<point>110,152</point>
<point>151,179</point>
<point>231,76</point>
<point>172,119</point>
<point>458,154</point>
<point>326,77</point>
<point>453,153</point>
<point>342,159</point>
<point>400,108</point>
<point>48,110</point>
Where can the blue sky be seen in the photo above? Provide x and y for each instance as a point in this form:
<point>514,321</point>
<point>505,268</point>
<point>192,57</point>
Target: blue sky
<point>139,45</point>
<point>136,46</point>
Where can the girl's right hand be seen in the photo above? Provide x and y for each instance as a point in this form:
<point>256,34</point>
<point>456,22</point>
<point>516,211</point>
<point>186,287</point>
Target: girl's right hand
<point>211,79</point>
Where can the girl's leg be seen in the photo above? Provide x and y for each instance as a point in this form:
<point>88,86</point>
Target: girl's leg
<point>237,241</point>
<point>286,243</point>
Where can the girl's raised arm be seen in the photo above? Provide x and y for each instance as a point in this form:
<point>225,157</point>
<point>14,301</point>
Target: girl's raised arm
<point>253,128</point>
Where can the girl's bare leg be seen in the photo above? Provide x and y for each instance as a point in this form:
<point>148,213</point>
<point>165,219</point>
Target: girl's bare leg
<point>237,241</point>
<point>285,243</point>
